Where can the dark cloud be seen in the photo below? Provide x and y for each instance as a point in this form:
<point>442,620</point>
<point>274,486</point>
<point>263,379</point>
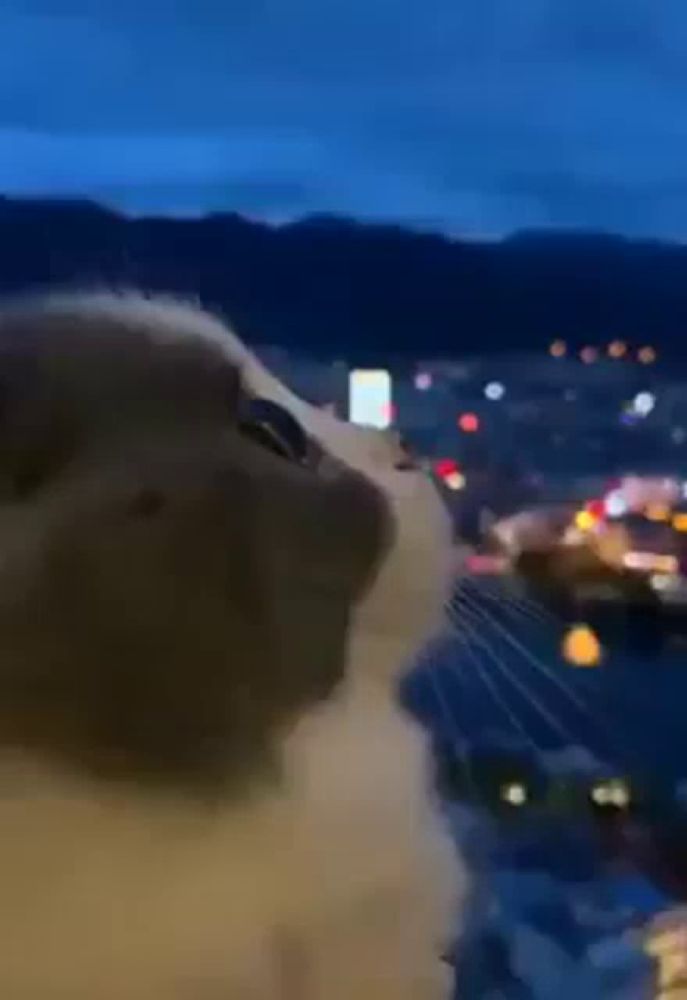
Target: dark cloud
<point>475,115</point>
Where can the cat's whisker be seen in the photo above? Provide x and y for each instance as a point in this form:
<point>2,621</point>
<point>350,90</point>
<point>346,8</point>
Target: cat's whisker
<point>455,730</point>
<point>496,695</point>
<point>555,724</point>
<point>547,672</point>
<point>519,603</point>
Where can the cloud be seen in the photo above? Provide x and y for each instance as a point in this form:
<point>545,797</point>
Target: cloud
<point>477,116</point>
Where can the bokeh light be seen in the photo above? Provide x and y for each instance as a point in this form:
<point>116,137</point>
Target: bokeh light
<point>644,403</point>
<point>455,481</point>
<point>494,391</point>
<point>515,794</point>
<point>423,381</point>
<point>616,504</point>
<point>468,423</point>
<point>445,467</point>
<point>585,520</point>
<point>657,512</point>
<point>588,355</point>
<point>617,349</point>
<point>614,792</point>
<point>558,349</point>
<point>581,647</point>
<point>646,355</point>
<point>597,508</point>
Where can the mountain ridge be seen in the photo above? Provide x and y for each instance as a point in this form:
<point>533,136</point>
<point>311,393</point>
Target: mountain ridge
<point>367,291</point>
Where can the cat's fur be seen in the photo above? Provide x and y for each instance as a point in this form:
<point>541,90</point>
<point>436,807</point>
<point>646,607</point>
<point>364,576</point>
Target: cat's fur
<point>207,791</point>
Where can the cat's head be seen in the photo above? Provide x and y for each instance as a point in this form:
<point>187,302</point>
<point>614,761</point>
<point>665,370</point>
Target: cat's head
<point>190,556</point>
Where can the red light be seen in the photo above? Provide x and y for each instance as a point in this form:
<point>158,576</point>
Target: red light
<point>597,508</point>
<point>445,467</point>
<point>390,413</point>
<point>468,423</point>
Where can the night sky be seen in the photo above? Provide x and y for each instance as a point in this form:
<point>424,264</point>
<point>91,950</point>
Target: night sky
<point>470,116</point>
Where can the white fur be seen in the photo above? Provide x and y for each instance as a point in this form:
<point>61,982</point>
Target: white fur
<point>343,886</point>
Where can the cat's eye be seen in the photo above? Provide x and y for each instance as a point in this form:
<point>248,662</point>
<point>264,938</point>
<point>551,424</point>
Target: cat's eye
<point>275,429</point>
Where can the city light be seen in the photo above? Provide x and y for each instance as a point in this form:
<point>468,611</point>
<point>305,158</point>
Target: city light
<point>657,512</point>
<point>644,403</point>
<point>646,355</point>
<point>588,355</point>
<point>515,794</point>
<point>445,467</point>
<point>597,508</point>
<point>617,349</point>
<point>370,395</point>
<point>651,562</point>
<point>423,381</point>
<point>680,522</point>
<point>468,423</point>
<point>558,349</point>
<point>666,942</point>
<point>585,520</point>
<point>454,481</point>
<point>581,647</point>
<point>450,474</point>
<point>616,504</point>
<point>494,391</point>
<point>611,793</point>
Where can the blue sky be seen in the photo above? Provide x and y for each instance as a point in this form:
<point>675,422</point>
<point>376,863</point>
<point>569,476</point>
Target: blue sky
<point>476,117</point>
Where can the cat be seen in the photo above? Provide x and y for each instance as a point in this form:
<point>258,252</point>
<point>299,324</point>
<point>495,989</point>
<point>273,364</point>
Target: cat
<point>207,788</point>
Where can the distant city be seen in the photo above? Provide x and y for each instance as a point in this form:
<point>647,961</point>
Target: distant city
<point>502,432</point>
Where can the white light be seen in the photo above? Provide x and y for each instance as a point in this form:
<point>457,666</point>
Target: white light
<point>370,402</point>
<point>514,794</point>
<point>661,582</point>
<point>611,793</point>
<point>454,481</point>
<point>495,391</point>
<point>423,381</point>
<point>616,504</point>
<point>644,403</point>
<point>651,562</point>
<point>601,795</point>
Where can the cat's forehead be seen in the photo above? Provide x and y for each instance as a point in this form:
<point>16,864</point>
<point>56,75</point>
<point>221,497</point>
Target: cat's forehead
<point>120,360</point>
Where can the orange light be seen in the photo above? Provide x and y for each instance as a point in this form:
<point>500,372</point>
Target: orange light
<point>581,647</point>
<point>589,355</point>
<point>617,349</point>
<point>680,522</point>
<point>468,423</point>
<point>657,512</point>
<point>646,355</point>
<point>558,349</point>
